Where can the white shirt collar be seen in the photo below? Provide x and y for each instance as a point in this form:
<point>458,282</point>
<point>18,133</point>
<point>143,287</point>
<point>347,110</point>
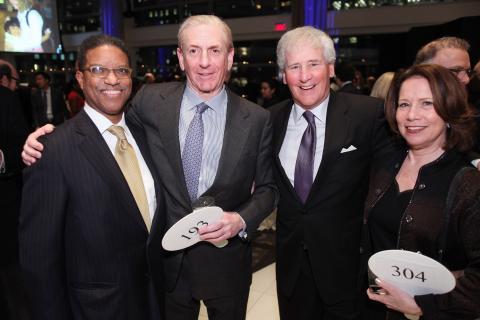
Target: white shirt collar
<point>102,122</point>
<point>320,111</point>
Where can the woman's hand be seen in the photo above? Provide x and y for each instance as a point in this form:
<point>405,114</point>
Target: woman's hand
<point>395,298</point>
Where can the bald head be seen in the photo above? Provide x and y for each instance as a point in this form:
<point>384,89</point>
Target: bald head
<point>9,76</point>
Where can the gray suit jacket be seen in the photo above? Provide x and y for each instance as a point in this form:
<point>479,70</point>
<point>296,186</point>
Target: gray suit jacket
<point>245,161</point>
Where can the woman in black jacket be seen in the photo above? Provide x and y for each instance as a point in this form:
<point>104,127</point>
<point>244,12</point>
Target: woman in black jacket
<point>407,206</point>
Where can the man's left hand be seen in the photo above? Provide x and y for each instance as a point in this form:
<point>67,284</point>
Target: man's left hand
<point>228,227</point>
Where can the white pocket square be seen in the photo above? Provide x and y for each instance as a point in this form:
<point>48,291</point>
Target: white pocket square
<point>351,148</point>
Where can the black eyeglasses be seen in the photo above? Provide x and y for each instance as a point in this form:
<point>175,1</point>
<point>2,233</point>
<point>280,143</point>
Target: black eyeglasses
<point>103,72</point>
<point>460,72</point>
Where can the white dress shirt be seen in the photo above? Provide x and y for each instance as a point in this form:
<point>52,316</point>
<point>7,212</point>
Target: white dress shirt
<point>296,126</point>
<point>214,119</point>
<point>102,123</point>
<point>48,95</point>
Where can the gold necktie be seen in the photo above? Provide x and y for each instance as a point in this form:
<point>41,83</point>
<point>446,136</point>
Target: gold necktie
<point>128,163</point>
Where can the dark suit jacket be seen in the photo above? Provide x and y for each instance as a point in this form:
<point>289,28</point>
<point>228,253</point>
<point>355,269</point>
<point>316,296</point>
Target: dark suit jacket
<point>245,159</point>
<point>84,248</point>
<point>13,129</point>
<point>13,132</point>
<point>59,108</point>
<point>349,88</point>
<point>329,223</point>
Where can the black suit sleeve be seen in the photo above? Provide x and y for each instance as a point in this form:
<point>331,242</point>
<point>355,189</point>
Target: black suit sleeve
<point>265,195</point>
<point>41,236</point>
<point>463,301</point>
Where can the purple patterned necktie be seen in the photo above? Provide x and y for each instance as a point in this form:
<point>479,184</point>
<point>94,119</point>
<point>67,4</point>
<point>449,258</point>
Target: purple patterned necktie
<point>305,159</point>
<point>192,152</point>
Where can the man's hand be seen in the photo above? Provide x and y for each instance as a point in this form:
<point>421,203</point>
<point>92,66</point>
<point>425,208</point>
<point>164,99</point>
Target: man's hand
<point>228,227</point>
<point>2,162</point>
<point>395,298</point>
<point>32,149</point>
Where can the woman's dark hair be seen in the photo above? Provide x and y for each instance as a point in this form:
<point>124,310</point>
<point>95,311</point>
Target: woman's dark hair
<point>449,100</point>
<point>12,22</point>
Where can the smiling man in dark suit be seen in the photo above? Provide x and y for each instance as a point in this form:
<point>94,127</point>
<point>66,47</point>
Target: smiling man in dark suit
<point>91,217</point>
<point>324,143</point>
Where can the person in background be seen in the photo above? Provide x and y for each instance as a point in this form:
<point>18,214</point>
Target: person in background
<point>268,93</point>
<point>344,77</point>
<point>48,103</point>
<point>382,85</point>
<point>13,130</point>
<point>369,85</point>
<point>474,89</point>
<point>422,199</point>
<point>149,78</point>
<point>75,98</point>
<point>13,34</point>
<point>449,52</point>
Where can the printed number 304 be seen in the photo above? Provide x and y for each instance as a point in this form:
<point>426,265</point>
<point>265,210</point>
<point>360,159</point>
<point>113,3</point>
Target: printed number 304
<point>194,230</point>
<point>408,273</point>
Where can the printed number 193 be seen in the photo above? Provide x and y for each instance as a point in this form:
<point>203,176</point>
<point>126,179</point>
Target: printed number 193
<point>194,230</point>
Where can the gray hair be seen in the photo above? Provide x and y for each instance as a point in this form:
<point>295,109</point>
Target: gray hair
<point>207,19</point>
<point>430,50</point>
<point>305,36</point>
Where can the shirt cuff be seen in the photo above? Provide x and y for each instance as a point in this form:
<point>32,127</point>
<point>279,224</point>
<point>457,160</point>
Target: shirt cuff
<point>243,233</point>
<point>475,162</point>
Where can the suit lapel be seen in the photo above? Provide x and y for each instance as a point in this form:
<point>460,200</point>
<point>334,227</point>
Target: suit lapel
<point>168,120</point>
<point>96,151</point>
<point>336,130</point>
<point>237,128</point>
<point>280,129</point>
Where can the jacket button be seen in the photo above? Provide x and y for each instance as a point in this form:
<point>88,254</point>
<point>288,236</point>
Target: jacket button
<point>408,218</point>
<point>397,165</point>
<point>421,186</point>
<point>378,192</point>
